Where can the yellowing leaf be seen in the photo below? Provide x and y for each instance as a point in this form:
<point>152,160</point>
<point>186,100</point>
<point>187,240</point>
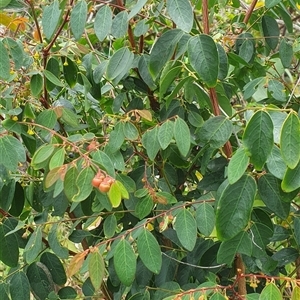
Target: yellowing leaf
<point>115,195</point>
<point>76,263</point>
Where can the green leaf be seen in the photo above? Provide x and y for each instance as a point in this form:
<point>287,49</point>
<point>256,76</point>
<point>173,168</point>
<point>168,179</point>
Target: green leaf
<point>290,140</point>
<point>286,53</point>
<point>4,291</point>
<point>119,64</point>
<point>270,291</point>
<point>291,179</point>
<point>223,63</point>
<point>103,159</point>
<point>4,3</point>
<point>271,193</point>
<point>40,280</point>
<point>182,136</point>
<point>4,63</point>
<point>149,251</point>
<point>9,248</point>
<point>271,3</point>
<point>205,218</point>
<point>47,119</point>
<point>247,49</point>
<point>115,195</point>
<point>136,8</point>
<point>42,155</point>
<point>57,159</point>
<point>258,139</point>
<point>116,138</point>
<point>110,225</point>
<point>261,235</point>
<point>84,183</point>
<point>52,78</point>
<point>276,164</point>
<point>70,71</point>
<point>296,293</point>
<point>144,207</point>
<point>181,13</point>
<point>70,187</point>
<point>67,292</point>
<point>11,152</point>
<point>186,229</point>
<point>50,18</point>
<point>271,31</point>
<point>130,131</point>
<point>165,134</point>
<point>167,77</point>
<point>120,24</point>
<point>150,142</point>
<point>241,243</point>
<point>204,58</point>
<point>55,245</point>
<point>103,22</point>
<point>163,50</point>
<point>216,131</point>
<point>277,90</point>
<point>234,207</point>
<point>34,246</point>
<point>96,268</point>
<point>16,50</point>
<point>19,287</point>
<point>36,84</point>
<point>237,165</point>
<point>78,19</point>
<point>125,262</point>
<point>55,267</point>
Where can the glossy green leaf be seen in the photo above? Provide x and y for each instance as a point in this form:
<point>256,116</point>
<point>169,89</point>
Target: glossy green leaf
<point>54,243</point>
<point>103,159</point>
<point>271,31</point>
<point>125,262</point>
<point>290,140</point>
<point>40,280</point>
<point>9,249</point>
<point>78,19</point>
<point>182,136</point>
<point>4,63</point>
<point>55,267</point>
<point>96,269</point>
<point>151,143</point>
<point>258,138</point>
<point>276,164</point>
<point>286,53</point>
<point>186,229</point>
<point>167,78</point>
<point>42,154</point>
<point>216,131</point>
<point>103,22</point>
<point>57,159</point>
<point>17,204</point>
<point>204,58</point>
<point>149,251</point>
<point>291,179</point>
<point>261,235</point>
<point>120,24</point>
<point>163,50</point>
<point>110,226</point>
<point>270,291</point>
<point>205,218</point>
<point>241,243</point>
<point>181,13</point>
<point>234,207</point>
<point>70,187</point>
<point>119,63</point>
<point>19,287</point>
<point>34,246</point>
<point>237,165</point>
<point>271,193</point>
<point>130,131</point>
<point>11,152</point>
<point>165,134</point>
<point>50,18</point>
<point>84,183</point>
<point>36,84</point>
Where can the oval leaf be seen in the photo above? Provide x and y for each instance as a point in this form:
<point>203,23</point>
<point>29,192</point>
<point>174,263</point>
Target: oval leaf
<point>96,269</point>
<point>182,136</point>
<point>103,22</point>
<point>78,19</point>
<point>237,165</point>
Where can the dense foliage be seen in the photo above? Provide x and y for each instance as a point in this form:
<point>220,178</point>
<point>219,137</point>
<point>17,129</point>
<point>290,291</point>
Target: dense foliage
<point>149,149</point>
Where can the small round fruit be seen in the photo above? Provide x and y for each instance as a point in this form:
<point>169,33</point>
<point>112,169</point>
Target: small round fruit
<point>96,181</point>
<point>104,187</point>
